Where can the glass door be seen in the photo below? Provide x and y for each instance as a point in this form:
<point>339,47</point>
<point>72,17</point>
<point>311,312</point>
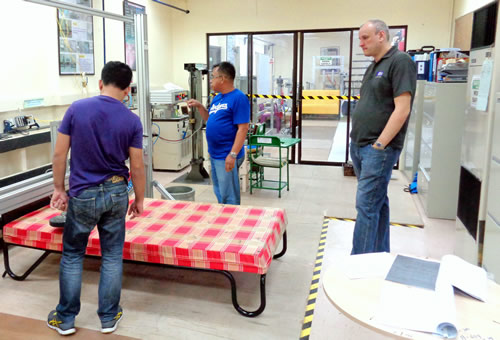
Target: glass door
<point>234,49</point>
<point>273,82</point>
<point>325,58</point>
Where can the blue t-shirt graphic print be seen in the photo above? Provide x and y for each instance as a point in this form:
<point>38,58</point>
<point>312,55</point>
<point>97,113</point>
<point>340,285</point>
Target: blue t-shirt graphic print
<point>225,113</point>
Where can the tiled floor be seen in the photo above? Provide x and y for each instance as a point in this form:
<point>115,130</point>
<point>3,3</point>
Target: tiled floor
<point>162,303</point>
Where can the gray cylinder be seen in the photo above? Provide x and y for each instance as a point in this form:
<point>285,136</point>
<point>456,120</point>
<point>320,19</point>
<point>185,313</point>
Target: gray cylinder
<point>182,193</point>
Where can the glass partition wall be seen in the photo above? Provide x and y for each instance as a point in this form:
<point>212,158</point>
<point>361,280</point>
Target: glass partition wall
<point>303,83</point>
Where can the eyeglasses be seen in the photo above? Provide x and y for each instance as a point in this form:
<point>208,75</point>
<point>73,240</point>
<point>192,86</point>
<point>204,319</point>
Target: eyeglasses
<point>212,77</point>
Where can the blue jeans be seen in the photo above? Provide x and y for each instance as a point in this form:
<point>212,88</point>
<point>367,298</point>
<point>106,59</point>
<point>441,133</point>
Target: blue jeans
<point>373,169</point>
<point>226,184</point>
<point>106,206</point>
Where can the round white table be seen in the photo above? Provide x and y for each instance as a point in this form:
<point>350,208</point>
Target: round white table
<point>359,299</point>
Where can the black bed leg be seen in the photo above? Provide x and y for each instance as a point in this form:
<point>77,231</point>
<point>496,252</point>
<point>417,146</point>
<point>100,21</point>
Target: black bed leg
<point>235,299</point>
<point>283,251</point>
<point>25,275</point>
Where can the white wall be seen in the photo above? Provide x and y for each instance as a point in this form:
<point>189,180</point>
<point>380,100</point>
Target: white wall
<point>463,7</point>
<point>425,26</point>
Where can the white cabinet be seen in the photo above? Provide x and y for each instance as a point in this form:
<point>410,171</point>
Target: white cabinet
<point>491,247</point>
<point>439,166</point>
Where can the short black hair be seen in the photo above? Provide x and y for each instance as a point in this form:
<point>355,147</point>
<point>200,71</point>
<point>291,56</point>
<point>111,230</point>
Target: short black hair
<point>117,74</point>
<point>227,69</point>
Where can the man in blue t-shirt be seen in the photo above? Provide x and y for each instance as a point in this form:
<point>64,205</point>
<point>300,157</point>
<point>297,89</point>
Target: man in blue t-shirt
<point>227,126</point>
<point>102,134</point>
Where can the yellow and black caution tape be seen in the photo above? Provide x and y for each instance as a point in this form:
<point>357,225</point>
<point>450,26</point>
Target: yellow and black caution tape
<point>270,96</point>
<point>313,290</point>
<point>392,223</point>
<point>276,96</point>
<point>330,97</point>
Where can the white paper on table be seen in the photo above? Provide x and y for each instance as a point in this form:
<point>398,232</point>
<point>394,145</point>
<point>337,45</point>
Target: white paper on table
<point>467,277</point>
<point>484,85</point>
<point>418,309</point>
<point>372,265</point>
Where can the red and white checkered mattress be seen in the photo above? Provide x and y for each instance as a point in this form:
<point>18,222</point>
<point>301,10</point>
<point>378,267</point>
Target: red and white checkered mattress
<point>190,234</point>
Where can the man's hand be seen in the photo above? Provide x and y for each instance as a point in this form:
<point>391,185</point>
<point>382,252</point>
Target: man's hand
<point>59,200</point>
<point>194,103</point>
<point>230,163</point>
<point>201,109</point>
<point>136,209</point>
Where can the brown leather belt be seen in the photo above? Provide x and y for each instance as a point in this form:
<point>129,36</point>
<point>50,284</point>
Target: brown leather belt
<point>115,179</point>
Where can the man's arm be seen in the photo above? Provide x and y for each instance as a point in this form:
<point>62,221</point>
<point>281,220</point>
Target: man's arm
<point>59,198</point>
<point>239,140</point>
<point>398,117</point>
<point>201,109</point>
<point>138,175</point>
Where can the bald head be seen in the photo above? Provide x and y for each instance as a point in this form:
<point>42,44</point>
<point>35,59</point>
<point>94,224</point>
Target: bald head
<point>379,26</point>
<point>374,39</point>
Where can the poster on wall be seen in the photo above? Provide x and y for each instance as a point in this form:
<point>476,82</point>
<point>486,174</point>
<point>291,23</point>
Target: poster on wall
<point>399,38</point>
<point>75,40</point>
<point>129,9</point>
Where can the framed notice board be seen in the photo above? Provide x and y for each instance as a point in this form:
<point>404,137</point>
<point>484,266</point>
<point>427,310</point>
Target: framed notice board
<point>75,36</point>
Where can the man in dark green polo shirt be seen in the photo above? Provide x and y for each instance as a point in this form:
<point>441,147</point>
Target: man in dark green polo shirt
<point>379,126</point>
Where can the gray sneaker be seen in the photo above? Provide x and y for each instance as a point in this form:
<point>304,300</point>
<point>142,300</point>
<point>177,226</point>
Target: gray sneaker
<point>58,221</point>
<point>110,326</point>
<point>63,328</point>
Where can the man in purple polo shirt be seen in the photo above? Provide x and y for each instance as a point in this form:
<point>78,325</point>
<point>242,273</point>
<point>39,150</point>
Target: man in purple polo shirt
<point>102,134</point>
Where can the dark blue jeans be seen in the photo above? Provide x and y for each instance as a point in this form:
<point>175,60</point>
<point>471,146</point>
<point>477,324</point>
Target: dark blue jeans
<point>373,169</point>
<point>226,184</point>
<point>106,206</point>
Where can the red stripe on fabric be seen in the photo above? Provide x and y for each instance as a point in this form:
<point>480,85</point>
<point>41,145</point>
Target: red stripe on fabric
<point>140,239</point>
<point>130,224</point>
<point>168,216</point>
<point>221,220</point>
<point>233,248</point>
<point>194,218</point>
<point>35,226</point>
<point>157,203</point>
<point>249,222</point>
<point>216,265</point>
<point>247,259</point>
<point>250,269</point>
<point>180,206</point>
<point>213,255</point>
<point>228,210</point>
<point>181,252</point>
<point>256,212</point>
<point>212,232</point>
<point>155,227</point>
<point>183,230</point>
<point>203,207</point>
<point>185,263</point>
<point>242,235</point>
<point>200,245</point>
<point>169,242</point>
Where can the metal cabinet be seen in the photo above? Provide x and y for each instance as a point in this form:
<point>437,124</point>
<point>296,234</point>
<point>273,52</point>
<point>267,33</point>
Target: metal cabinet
<point>410,155</point>
<point>439,166</point>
